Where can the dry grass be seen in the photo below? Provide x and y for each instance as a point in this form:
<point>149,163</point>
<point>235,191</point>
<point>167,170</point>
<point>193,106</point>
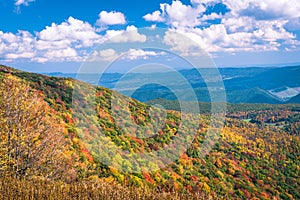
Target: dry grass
<point>38,189</point>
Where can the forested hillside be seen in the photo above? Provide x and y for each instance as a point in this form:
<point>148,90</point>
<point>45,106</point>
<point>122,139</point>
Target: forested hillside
<point>256,156</point>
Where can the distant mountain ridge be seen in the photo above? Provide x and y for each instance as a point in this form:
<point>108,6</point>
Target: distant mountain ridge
<point>243,85</point>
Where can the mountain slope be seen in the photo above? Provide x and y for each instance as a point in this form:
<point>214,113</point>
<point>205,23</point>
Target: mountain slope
<point>268,79</point>
<point>248,160</point>
<point>264,83</point>
<point>295,99</point>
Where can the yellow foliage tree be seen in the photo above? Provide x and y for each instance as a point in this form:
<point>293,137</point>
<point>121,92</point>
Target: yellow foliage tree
<point>31,139</point>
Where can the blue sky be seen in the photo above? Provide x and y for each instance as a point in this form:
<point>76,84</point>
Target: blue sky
<point>40,35</point>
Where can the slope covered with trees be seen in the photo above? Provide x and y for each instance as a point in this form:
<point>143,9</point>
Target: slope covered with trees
<point>32,142</point>
<point>254,158</point>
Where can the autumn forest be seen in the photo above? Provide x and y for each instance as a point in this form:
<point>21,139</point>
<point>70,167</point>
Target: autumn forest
<point>48,152</point>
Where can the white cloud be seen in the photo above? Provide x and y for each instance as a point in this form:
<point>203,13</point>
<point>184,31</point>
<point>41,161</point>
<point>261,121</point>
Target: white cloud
<point>108,54</point>
<point>239,24</point>
<point>152,27</point>
<point>134,54</point>
<point>293,24</point>
<point>178,14</point>
<point>218,38</point>
<point>155,16</point>
<point>62,54</point>
<point>67,41</point>
<point>70,31</point>
<point>204,1</point>
<point>181,42</point>
<point>248,25</point>
<point>23,2</point>
<point>52,45</point>
<point>59,55</point>
<point>131,34</point>
<point>40,59</point>
<point>55,43</point>
<point>8,37</point>
<point>211,16</point>
<point>19,3</point>
<point>265,9</point>
<point>110,18</point>
<point>103,55</point>
<point>16,45</point>
<point>20,55</point>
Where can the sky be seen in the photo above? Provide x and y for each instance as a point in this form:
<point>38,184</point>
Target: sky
<point>57,36</point>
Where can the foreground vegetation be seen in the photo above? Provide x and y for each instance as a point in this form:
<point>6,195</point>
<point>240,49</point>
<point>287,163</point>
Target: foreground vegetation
<point>15,189</point>
<point>256,156</point>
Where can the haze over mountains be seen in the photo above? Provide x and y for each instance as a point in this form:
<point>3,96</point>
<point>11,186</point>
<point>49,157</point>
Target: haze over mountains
<point>275,85</point>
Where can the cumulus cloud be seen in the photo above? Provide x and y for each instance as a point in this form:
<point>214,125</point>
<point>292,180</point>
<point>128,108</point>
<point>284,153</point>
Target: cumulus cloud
<point>177,14</point>
<point>108,54</point>
<point>131,34</point>
<point>259,9</point>
<point>62,54</point>
<point>156,16</point>
<point>18,45</point>
<point>265,9</point>
<point>63,42</point>
<point>182,42</point>
<point>217,38</point>
<point>67,41</point>
<point>211,16</point>
<point>103,55</point>
<point>110,18</point>
<point>70,31</point>
<point>248,25</point>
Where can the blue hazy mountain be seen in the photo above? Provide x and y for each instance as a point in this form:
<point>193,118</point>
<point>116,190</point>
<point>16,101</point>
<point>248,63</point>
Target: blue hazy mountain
<point>242,85</point>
